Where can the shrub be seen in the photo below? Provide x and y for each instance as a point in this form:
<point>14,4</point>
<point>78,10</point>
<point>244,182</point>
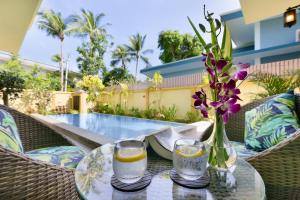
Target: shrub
<point>193,116</point>
<point>119,110</point>
<point>71,111</point>
<point>168,114</point>
<point>105,108</point>
<point>275,84</point>
<point>93,85</point>
<point>135,112</point>
<point>150,113</point>
<point>11,84</point>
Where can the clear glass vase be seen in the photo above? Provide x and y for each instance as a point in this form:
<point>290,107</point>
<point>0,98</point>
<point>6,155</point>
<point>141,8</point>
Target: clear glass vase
<point>222,156</point>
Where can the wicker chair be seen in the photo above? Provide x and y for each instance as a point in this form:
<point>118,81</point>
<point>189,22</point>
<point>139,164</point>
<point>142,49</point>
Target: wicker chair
<point>279,166</point>
<point>24,178</point>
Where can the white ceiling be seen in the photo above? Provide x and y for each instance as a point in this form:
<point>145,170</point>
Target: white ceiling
<point>257,10</point>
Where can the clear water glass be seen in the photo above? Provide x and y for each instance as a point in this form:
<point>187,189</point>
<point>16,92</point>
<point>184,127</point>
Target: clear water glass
<point>129,161</point>
<point>190,158</point>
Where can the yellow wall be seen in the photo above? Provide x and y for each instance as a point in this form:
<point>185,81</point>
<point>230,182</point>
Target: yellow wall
<point>180,97</point>
<point>137,99</point>
<point>61,99</point>
<point>143,99</point>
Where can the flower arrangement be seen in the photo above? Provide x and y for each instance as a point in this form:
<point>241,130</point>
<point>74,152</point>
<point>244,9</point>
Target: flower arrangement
<point>223,78</point>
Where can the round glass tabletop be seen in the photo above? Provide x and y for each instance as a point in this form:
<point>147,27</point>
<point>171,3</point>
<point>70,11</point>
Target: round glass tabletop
<point>93,175</point>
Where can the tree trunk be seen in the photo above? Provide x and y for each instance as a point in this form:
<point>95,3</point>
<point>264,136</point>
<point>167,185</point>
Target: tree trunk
<point>66,76</point>
<point>5,98</point>
<point>123,64</point>
<point>136,68</point>
<point>61,67</point>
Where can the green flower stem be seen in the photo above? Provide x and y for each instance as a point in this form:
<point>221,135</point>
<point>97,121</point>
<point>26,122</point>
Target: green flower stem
<point>218,155</point>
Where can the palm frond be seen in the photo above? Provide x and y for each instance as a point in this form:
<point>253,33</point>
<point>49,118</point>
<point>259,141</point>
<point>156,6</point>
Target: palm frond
<point>147,51</point>
<point>114,62</point>
<point>145,59</point>
<point>52,23</point>
<point>87,24</point>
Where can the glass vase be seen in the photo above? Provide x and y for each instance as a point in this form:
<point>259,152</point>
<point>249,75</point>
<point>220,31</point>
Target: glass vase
<point>222,156</point>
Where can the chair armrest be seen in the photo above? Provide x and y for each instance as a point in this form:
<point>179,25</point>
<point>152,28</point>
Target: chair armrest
<point>33,133</point>
<point>279,165</point>
<point>24,178</point>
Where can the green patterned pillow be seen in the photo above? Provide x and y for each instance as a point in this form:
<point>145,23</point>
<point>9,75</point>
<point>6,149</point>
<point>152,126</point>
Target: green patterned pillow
<point>270,123</point>
<point>9,135</point>
<point>64,156</point>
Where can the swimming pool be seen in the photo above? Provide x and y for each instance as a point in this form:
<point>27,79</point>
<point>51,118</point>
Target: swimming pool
<point>115,127</point>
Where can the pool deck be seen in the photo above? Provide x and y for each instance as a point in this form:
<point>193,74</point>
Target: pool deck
<point>89,140</point>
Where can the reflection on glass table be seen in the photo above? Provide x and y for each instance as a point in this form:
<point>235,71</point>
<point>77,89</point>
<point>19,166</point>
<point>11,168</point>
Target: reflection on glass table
<point>93,175</point>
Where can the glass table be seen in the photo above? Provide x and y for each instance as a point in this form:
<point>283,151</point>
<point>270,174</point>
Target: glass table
<point>93,175</point>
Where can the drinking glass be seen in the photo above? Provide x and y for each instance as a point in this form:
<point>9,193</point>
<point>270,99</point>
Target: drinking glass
<point>190,158</point>
<point>129,160</point>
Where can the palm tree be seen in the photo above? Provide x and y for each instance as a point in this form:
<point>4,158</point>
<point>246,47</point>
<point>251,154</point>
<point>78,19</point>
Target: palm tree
<point>56,58</point>
<point>135,50</point>
<point>120,55</point>
<point>55,26</point>
<point>87,24</point>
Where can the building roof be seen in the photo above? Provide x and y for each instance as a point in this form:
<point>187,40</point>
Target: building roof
<point>15,19</point>
<point>4,57</point>
<point>186,66</point>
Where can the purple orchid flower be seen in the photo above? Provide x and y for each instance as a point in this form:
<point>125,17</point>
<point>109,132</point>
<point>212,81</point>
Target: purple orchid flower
<point>225,109</point>
<point>211,72</point>
<point>221,64</point>
<point>203,110</point>
<point>200,98</point>
<point>242,73</point>
<point>244,65</point>
<point>201,102</point>
<point>230,90</point>
<point>223,84</point>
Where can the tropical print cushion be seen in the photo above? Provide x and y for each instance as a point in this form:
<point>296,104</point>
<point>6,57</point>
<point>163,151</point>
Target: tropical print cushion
<point>9,135</point>
<point>242,151</point>
<point>270,123</point>
<point>64,156</point>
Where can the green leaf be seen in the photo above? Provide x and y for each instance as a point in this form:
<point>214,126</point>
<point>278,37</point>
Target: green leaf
<point>209,45</point>
<point>218,24</point>
<point>226,43</point>
<point>198,35</point>
<point>214,39</point>
<point>202,27</point>
<point>227,67</point>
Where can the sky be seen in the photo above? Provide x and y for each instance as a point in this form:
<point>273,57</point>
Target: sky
<point>127,17</point>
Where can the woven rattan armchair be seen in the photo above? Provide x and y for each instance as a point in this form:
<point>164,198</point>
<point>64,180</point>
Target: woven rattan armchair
<point>24,178</point>
<point>279,166</point>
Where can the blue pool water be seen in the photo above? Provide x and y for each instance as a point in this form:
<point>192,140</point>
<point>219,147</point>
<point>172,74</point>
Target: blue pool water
<point>113,126</point>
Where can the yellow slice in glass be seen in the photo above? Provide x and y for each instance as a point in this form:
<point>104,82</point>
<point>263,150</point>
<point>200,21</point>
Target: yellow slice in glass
<point>189,151</point>
<point>130,155</point>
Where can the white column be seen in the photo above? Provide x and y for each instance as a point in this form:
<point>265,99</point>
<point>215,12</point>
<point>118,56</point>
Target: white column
<point>257,42</point>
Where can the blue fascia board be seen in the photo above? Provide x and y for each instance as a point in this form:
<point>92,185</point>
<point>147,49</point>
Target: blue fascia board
<point>172,64</point>
<point>238,54</point>
<point>231,16</point>
<point>180,73</point>
<point>243,49</point>
<point>198,58</point>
